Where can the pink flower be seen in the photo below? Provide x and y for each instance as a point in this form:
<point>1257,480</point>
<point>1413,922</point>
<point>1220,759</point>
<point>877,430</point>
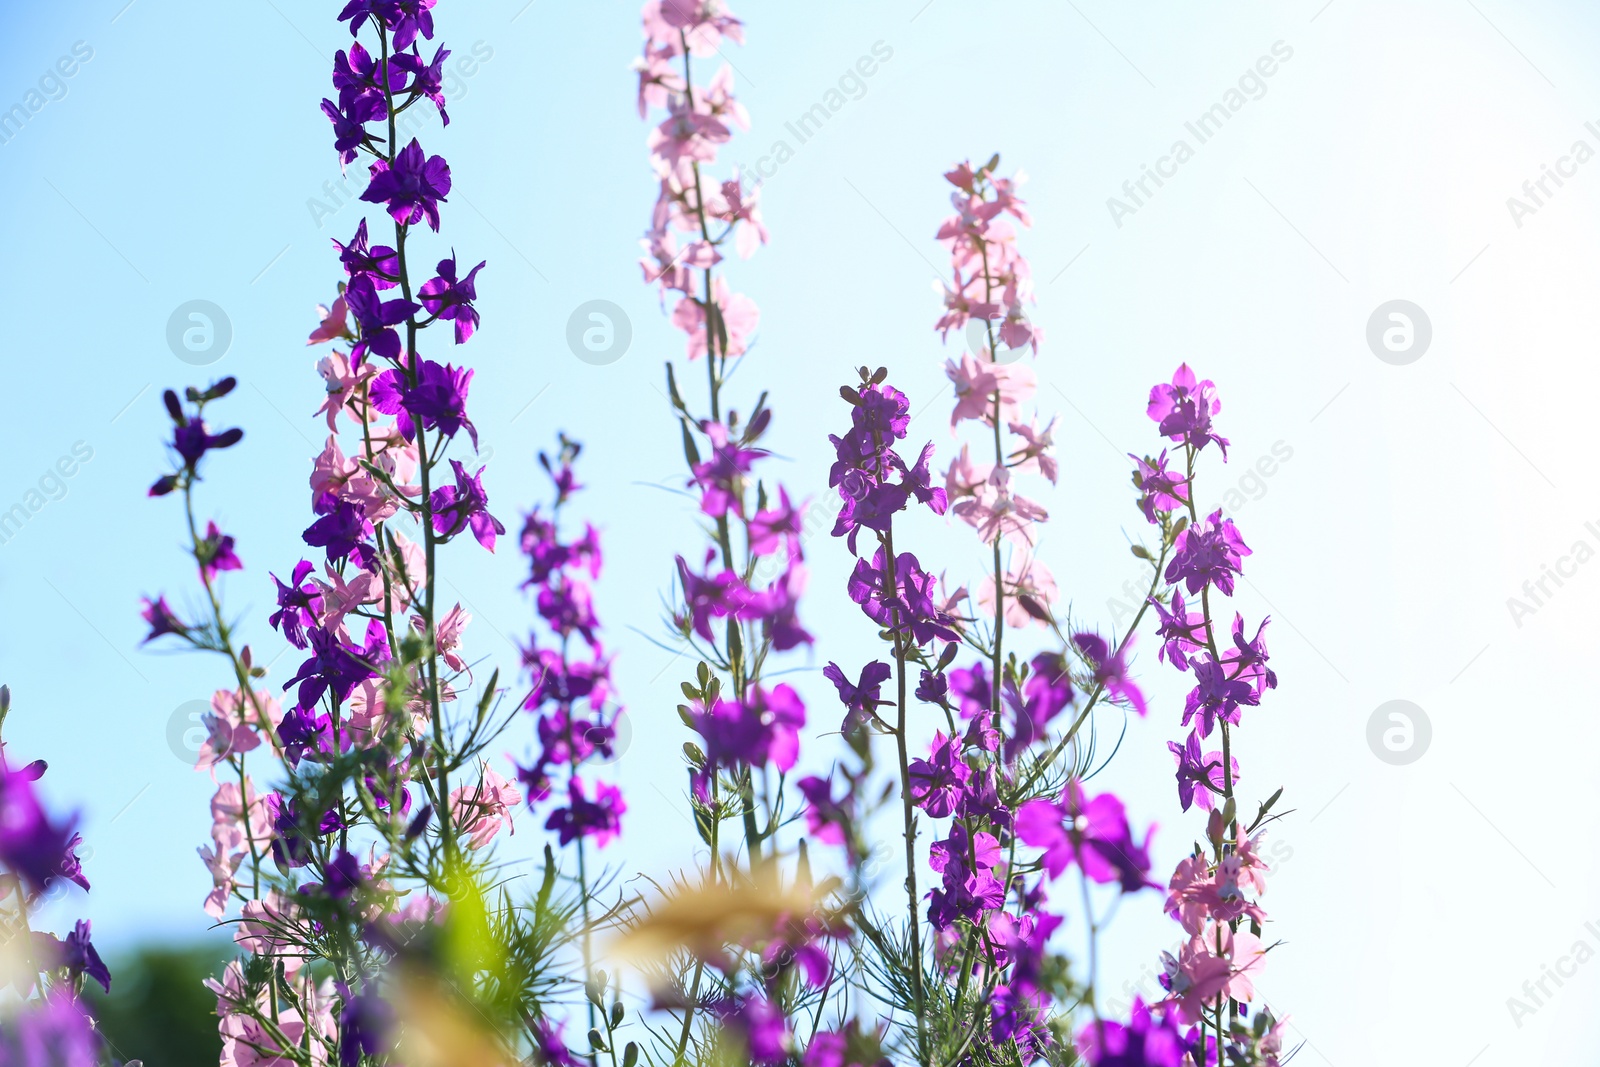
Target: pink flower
<point>447,635</point>
<point>975,385</point>
<point>480,810</point>
<point>232,725</point>
<point>964,478</point>
<point>343,386</point>
<point>1035,453</point>
<point>685,135</point>
<point>996,512</point>
<point>1031,579</point>
<point>334,323</point>
<point>739,313</point>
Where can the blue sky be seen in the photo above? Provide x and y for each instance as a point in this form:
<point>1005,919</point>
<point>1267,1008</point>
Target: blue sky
<point>185,160</point>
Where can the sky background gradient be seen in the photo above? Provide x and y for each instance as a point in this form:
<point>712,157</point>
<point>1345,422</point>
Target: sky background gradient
<point>179,163</point>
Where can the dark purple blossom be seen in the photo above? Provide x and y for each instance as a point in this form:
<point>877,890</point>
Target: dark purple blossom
<point>298,603</point>
<point>32,845</point>
<point>412,188</point>
<point>463,505</point>
<point>1200,778</point>
<point>438,400</point>
<point>1094,833</point>
<point>938,781</point>
<point>216,553</point>
<point>1146,1040</point>
<point>77,954</point>
<point>377,318</point>
<point>599,819</point>
<point>447,297</point>
<point>380,263</point>
<point>343,530</point>
<point>366,1025</point>
<point>161,619</point>
<point>1215,696</point>
<point>861,699</point>
<point>910,608</point>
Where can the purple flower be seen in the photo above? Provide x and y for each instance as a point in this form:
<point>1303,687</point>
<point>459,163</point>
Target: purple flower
<point>366,1022</point>
<point>1182,631</point>
<point>297,604</point>
<point>759,1022</point>
<point>938,781</point>
<point>1215,696</point>
<point>1144,1041</point>
<point>380,263</point>
<point>343,530</point>
<point>338,667</point>
<point>1247,660</point>
<point>826,818</point>
<point>161,619</point>
<point>216,553</point>
<point>350,120</point>
<point>718,596</point>
<point>1199,777</point>
<point>600,818</point>
<point>343,875</point>
<point>438,400</point>
<point>917,480</point>
<point>1184,409</point>
<point>1110,669</point>
<point>404,19</point>
<point>972,686</point>
<point>456,507</point>
<point>766,728</point>
<point>192,442</point>
<point>290,848</point>
<point>1093,833</point>
<point>54,1031</point>
<point>356,74</point>
<point>377,318</point>
<point>862,698</point>
<point>1160,490</point>
<point>1047,691</point>
<point>78,955</point>
<point>1210,552</point>
<point>427,78</point>
<point>412,187</point>
<point>549,1049</point>
<point>31,845</point>
<point>933,687</point>
<point>719,476</point>
<point>445,297</point>
<point>71,865</point>
<point>910,609</point>
<point>884,411</point>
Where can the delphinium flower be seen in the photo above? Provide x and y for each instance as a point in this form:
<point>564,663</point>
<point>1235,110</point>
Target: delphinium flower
<point>358,802</point>
<point>1214,893</point>
<point>47,1022</point>
<point>572,696</point>
<point>736,602</point>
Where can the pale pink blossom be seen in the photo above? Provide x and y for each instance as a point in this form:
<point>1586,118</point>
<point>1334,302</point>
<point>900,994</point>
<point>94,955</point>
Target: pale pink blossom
<point>480,810</point>
<point>334,323</point>
<point>997,512</point>
<point>1037,451</point>
<point>447,635</point>
<point>740,316</point>
<point>343,385</point>
<point>1031,579</point>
